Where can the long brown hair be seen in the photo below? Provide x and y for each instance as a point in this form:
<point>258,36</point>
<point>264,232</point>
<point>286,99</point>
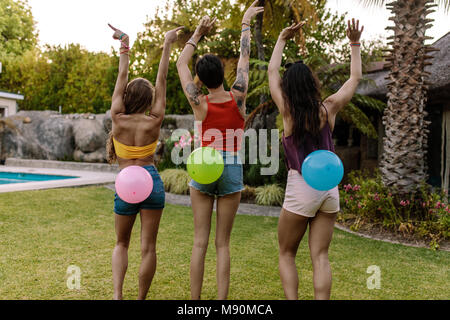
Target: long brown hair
<point>301,91</point>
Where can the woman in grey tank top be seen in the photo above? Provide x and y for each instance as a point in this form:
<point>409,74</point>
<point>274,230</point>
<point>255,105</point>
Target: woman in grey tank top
<point>308,126</point>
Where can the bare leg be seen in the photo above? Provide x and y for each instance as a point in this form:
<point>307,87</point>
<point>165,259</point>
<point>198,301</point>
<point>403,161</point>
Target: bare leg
<point>320,234</point>
<point>227,207</point>
<point>149,230</point>
<point>202,207</point>
<point>123,225</point>
<point>291,229</point>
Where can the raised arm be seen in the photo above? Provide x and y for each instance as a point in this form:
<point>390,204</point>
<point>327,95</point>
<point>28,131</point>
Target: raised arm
<point>341,98</point>
<point>159,106</point>
<point>117,105</point>
<point>275,63</point>
<point>240,86</point>
<point>190,89</point>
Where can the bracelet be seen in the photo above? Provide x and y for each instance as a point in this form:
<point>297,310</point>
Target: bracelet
<point>121,36</point>
<point>124,51</point>
<point>355,44</point>
<point>246,29</point>
<point>125,46</point>
<point>192,43</point>
<point>245,24</point>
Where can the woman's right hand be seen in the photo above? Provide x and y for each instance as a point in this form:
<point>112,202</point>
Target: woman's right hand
<point>290,32</point>
<point>205,26</point>
<point>118,34</point>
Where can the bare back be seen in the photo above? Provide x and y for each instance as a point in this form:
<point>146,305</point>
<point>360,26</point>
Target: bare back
<point>136,130</point>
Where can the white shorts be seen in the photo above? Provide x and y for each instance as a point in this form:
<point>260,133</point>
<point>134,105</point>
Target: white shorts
<point>303,200</point>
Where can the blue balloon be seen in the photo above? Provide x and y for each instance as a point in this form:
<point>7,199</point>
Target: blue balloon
<point>323,170</point>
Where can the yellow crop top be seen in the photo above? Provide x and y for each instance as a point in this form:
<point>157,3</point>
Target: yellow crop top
<point>127,152</point>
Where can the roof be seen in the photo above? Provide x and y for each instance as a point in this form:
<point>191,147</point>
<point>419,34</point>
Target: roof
<point>12,96</point>
<point>439,78</point>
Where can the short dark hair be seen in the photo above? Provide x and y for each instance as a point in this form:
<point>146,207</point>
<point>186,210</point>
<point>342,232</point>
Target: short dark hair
<point>210,71</point>
<point>138,96</point>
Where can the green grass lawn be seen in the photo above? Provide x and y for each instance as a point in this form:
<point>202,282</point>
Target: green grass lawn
<point>43,232</point>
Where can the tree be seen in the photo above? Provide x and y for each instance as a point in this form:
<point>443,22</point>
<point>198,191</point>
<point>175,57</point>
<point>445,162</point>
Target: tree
<point>17,28</point>
<point>404,161</point>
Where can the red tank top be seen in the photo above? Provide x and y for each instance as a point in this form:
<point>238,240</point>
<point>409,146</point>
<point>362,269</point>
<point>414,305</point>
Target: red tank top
<point>223,126</point>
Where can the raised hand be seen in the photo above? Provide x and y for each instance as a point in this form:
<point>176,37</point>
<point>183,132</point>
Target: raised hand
<point>205,26</point>
<point>172,35</point>
<point>118,34</point>
<point>290,32</point>
<point>353,32</point>
<point>252,11</point>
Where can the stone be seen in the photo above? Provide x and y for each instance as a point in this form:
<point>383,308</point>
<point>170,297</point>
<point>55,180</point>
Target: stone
<point>89,135</point>
<point>107,121</point>
<point>98,156</point>
<point>45,137</point>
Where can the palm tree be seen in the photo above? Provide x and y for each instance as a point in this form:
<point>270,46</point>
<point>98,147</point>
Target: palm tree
<point>404,161</point>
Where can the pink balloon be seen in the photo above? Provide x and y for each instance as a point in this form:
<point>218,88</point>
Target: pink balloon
<point>134,184</point>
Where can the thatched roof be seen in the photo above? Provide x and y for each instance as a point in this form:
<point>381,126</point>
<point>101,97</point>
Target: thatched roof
<point>439,78</point>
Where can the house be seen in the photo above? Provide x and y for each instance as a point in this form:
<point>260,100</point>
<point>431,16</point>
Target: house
<point>438,108</point>
<point>8,103</point>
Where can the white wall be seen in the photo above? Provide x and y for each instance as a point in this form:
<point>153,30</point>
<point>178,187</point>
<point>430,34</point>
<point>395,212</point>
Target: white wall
<point>9,106</point>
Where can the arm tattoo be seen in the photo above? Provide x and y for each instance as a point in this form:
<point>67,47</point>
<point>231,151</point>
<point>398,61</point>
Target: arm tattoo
<point>241,84</point>
<point>245,46</point>
<point>193,93</point>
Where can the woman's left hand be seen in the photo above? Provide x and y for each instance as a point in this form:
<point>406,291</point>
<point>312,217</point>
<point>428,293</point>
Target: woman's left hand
<point>353,32</point>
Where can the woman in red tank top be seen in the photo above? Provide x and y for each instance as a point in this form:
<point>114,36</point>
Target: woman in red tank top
<point>222,122</point>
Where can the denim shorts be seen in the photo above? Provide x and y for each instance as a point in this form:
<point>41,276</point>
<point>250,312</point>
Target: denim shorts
<point>231,180</point>
<point>155,201</point>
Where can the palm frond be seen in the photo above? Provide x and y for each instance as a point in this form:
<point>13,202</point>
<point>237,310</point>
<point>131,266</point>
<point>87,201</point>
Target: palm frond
<point>352,114</point>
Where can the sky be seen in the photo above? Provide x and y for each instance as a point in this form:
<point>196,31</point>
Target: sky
<point>85,21</point>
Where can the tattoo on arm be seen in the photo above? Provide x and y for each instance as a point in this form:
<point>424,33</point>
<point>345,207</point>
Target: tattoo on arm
<point>241,83</point>
<point>193,93</point>
<point>245,46</point>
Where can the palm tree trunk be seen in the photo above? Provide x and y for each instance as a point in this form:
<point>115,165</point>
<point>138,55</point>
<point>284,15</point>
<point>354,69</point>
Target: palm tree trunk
<point>404,162</point>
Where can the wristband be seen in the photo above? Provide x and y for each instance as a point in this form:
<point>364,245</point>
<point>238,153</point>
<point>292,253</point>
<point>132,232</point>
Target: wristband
<point>355,44</point>
<point>192,43</point>
<point>246,24</point>
<point>246,29</point>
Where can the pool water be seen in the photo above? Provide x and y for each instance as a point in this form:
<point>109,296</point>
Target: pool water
<point>19,177</point>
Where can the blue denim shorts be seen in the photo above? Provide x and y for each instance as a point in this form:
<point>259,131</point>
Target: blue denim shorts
<point>155,201</point>
<point>231,180</point>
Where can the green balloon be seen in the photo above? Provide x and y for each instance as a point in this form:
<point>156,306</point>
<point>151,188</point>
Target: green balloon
<point>205,165</point>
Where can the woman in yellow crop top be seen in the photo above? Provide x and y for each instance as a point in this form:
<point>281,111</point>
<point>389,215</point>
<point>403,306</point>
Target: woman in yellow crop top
<point>133,142</point>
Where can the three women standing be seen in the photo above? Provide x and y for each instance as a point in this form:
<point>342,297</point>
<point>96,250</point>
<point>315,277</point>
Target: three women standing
<point>308,125</point>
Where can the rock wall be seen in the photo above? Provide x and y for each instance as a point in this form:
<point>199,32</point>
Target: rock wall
<point>48,135</point>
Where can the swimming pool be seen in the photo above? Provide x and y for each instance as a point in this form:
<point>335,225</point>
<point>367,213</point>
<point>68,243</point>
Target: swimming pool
<point>20,177</point>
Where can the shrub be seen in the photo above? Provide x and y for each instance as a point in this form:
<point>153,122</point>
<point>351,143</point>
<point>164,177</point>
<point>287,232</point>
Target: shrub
<point>176,181</point>
<point>270,195</point>
<point>425,214</point>
<point>248,194</point>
